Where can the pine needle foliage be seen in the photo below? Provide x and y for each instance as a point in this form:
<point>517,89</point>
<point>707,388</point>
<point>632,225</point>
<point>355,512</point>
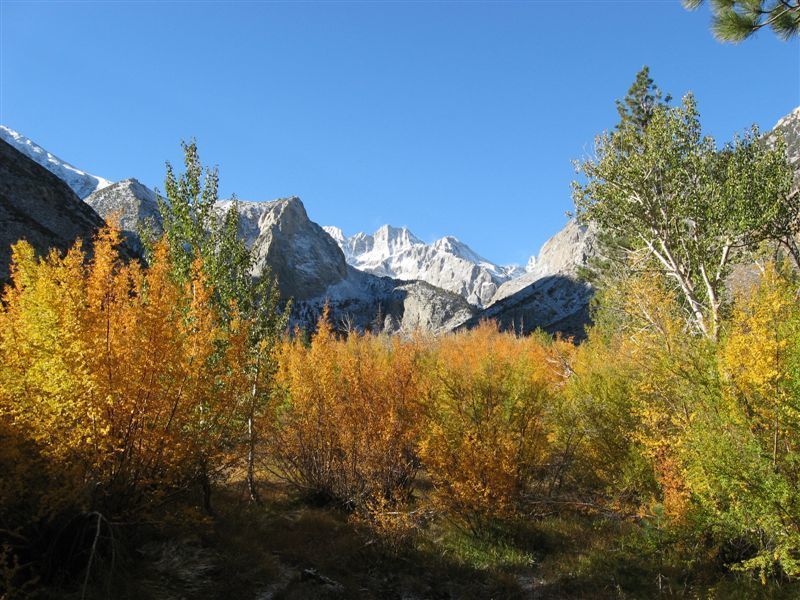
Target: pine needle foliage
<point>737,20</point>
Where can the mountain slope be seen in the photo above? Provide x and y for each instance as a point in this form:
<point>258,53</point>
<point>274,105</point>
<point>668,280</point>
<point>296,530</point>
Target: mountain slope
<point>550,296</point>
<point>447,263</point>
<point>302,256</point>
<point>561,255</point>
<point>82,183</point>
<point>363,301</point>
<point>37,206</point>
<point>789,127</point>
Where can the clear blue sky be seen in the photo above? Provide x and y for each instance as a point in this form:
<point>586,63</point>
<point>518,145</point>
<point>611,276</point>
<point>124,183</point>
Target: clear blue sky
<point>449,118</point>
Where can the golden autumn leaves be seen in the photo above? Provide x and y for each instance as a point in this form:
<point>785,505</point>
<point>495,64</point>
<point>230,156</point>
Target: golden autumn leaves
<point>364,415</point>
<point>116,370</point>
<point>131,376</point>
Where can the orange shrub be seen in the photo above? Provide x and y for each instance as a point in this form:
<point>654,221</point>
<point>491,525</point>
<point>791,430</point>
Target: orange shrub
<point>112,370</point>
<point>347,426</point>
<point>486,447</point>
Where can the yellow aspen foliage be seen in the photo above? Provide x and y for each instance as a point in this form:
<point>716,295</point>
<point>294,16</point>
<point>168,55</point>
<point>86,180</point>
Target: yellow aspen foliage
<point>655,377</point>
<point>348,420</point>
<point>757,360</point>
<point>112,372</point>
<point>598,424</point>
<point>487,446</point>
<point>746,453</point>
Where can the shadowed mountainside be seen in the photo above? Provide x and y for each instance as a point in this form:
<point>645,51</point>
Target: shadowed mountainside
<point>37,206</point>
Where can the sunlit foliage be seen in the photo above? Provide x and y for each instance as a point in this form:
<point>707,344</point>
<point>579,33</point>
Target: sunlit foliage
<point>487,447</point>
<point>113,373</point>
<point>743,453</point>
<point>347,425</point>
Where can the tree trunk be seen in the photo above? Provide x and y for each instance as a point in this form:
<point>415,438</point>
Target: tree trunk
<point>205,486</point>
<point>252,486</point>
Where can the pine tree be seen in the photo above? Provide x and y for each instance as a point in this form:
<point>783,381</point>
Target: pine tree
<point>637,107</point>
<point>614,260</point>
<point>736,20</point>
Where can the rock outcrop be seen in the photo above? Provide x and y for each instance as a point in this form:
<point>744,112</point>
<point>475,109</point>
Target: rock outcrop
<point>550,296</point>
<point>300,254</point>
<point>132,206</point>
<point>789,127</point>
<point>362,301</point>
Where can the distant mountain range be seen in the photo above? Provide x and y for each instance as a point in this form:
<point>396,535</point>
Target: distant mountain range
<point>389,280</point>
<point>446,263</point>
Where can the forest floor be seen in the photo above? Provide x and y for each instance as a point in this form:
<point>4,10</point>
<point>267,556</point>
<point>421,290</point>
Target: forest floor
<point>291,549</point>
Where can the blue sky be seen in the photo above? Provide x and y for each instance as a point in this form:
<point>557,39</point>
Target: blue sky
<point>449,118</point>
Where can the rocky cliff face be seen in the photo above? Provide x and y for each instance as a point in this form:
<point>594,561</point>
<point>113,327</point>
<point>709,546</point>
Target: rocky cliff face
<point>132,205</point>
<point>562,255</point>
<point>37,206</point>
<point>789,127</point>
<point>363,301</point>
<point>550,295</point>
<point>302,256</point>
<point>447,263</point>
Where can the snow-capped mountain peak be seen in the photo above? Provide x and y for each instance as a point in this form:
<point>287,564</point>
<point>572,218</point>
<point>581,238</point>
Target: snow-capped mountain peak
<point>81,182</point>
<point>336,233</point>
<point>447,262</point>
<point>389,241</point>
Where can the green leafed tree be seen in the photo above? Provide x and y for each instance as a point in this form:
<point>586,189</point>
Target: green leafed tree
<point>736,20</point>
<point>196,226</point>
<point>674,202</point>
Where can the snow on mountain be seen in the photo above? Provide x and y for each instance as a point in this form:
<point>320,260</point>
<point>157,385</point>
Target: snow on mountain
<point>336,233</point>
<point>447,263</point>
<point>82,183</point>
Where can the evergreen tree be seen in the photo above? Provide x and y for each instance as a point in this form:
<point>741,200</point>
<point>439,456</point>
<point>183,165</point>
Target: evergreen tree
<point>736,20</point>
<point>613,257</point>
<point>638,105</point>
